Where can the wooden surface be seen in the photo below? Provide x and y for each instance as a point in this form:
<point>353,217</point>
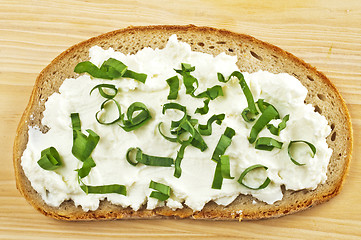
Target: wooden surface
<point>326,34</point>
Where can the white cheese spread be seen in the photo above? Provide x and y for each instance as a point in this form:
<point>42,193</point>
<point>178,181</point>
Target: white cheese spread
<point>193,188</point>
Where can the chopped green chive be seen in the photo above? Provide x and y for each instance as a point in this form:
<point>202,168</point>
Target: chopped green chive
<point>206,130</point>
<point>223,144</point>
<point>282,125</point>
<point>268,114</point>
<point>104,94</point>
<point>104,189</point>
<point>103,106</point>
<point>145,159</point>
<point>312,147</point>
<point>173,83</point>
<point>110,69</point>
<point>203,110</point>
<point>50,159</point>
<point>267,144</point>
<point>222,171</point>
<point>249,169</point>
<point>162,192</point>
<point>139,120</point>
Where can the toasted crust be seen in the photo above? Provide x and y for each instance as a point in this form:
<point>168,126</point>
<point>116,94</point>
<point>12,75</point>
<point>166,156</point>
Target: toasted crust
<point>253,55</point>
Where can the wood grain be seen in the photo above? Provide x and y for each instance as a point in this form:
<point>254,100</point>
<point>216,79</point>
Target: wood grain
<point>326,34</point>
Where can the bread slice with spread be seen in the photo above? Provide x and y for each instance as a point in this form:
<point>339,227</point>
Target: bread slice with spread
<point>252,55</point>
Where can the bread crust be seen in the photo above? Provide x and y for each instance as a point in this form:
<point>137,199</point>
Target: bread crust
<point>253,55</point>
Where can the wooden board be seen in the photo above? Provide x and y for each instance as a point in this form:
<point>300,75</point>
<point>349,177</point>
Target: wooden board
<point>326,34</point>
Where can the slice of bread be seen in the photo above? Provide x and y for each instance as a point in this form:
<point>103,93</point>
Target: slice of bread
<point>253,55</point>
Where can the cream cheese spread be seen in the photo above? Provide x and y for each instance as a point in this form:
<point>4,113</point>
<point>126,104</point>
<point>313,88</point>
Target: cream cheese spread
<point>193,188</point>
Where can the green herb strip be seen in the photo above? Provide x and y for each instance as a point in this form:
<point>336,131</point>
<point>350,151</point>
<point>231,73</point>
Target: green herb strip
<point>185,124</point>
<point>141,77</point>
<point>176,106</point>
<point>139,120</point>
<point>179,158</point>
<point>223,143</point>
<point>148,160</point>
<point>75,121</point>
<point>175,139</point>
<point>162,192</point>
<point>249,169</point>
<point>247,92</point>
<point>104,94</point>
<point>173,83</point>
<point>109,101</point>
<point>88,164</point>
<point>222,79</point>
<point>262,105</point>
<point>247,115</point>
<point>312,147</point>
<point>110,69</point>
<point>104,189</point>
<point>203,110</point>
<point>197,140</point>
<point>222,171</point>
<point>82,148</point>
<point>190,82</point>
<point>50,159</point>
<point>267,144</point>
<point>206,130</point>
<point>282,125</point>
<point>211,93</point>
<point>269,113</point>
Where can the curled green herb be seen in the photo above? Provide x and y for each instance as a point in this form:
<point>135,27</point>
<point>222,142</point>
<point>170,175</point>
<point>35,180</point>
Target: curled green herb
<point>82,148</point>
<point>247,115</point>
<point>88,164</point>
<point>149,160</point>
<point>197,140</point>
<point>141,77</point>
<point>267,144</point>
<point>268,114</point>
<point>206,130</point>
<point>163,135</point>
<point>312,147</point>
<point>110,69</point>
<point>179,158</point>
<point>262,105</point>
<point>221,78</point>
<point>162,191</point>
<point>190,82</point>
<point>83,145</point>
<point>176,106</point>
<point>223,144</point>
<point>185,124</point>
<point>211,93</point>
<point>50,159</point>
<point>108,101</point>
<point>203,110</point>
<point>222,171</point>
<point>249,169</point>
<point>247,92</point>
<point>104,94</point>
<point>173,83</point>
<point>139,120</point>
<point>282,125</point>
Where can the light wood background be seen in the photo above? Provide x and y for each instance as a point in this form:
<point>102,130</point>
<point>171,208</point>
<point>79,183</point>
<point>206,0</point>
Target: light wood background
<point>326,34</point>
